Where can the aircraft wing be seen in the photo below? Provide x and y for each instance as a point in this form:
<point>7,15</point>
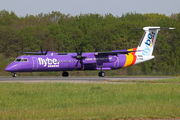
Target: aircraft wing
<point>33,53</point>
<point>39,53</point>
<point>115,52</point>
<point>62,53</point>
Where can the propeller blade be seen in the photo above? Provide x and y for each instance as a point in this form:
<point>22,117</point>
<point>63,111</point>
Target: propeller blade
<point>81,50</point>
<point>41,51</point>
<point>79,57</point>
<point>76,51</point>
<point>46,51</point>
<point>76,64</point>
<point>82,65</point>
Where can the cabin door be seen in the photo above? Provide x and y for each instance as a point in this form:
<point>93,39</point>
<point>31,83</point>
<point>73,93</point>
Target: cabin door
<point>35,63</point>
<point>116,63</point>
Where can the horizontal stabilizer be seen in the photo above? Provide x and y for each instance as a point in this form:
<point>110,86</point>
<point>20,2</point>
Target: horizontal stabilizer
<point>153,28</point>
<point>161,28</point>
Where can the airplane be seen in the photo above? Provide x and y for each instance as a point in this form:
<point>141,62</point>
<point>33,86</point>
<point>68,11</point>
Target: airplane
<point>111,60</point>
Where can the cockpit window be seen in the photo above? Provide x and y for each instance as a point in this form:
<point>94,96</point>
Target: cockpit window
<point>17,60</point>
<point>21,60</point>
<point>24,60</point>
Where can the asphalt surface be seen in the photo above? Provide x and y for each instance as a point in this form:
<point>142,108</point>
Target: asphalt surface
<point>76,79</point>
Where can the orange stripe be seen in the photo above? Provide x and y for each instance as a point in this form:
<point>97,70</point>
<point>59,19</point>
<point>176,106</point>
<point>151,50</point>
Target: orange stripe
<point>131,58</point>
<point>134,56</point>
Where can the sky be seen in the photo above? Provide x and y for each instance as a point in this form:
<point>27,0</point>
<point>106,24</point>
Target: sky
<point>75,7</point>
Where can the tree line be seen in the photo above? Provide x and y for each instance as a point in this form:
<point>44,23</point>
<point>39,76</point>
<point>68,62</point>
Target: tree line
<point>59,32</point>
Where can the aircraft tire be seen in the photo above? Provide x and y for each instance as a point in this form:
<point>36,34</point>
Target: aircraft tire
<point>65,74</point>
<point>101,74</point>
<point>14,75</point>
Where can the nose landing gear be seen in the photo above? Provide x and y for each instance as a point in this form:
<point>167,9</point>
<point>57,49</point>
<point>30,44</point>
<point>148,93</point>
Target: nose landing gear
<point>65,74</point>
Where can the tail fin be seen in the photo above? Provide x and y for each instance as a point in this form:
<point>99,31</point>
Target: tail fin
<point>148,40</point>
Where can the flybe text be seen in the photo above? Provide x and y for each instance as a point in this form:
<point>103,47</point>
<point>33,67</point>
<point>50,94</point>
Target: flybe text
<point>148,44</point>
<point>48,62</point>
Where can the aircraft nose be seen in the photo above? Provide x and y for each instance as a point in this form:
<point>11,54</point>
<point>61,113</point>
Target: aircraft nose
<point>11,68</point>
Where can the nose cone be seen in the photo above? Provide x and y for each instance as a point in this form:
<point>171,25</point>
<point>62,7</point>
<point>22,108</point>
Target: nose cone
<point>12,67</point>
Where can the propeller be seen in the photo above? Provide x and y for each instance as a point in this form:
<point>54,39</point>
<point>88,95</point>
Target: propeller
<point>80,58</point>
<point>42,53</point>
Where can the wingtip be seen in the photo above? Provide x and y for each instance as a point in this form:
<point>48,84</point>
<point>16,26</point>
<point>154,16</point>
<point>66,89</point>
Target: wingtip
<point>172,28</point>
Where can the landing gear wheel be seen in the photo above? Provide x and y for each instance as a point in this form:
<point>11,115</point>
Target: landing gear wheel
<point>14,75</point>
<point>101,74</point>
<point>65,74</point>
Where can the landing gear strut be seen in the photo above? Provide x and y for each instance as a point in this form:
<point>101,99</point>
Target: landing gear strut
<point>14,75</point>
<point>101,73</point>
<point>65,74</point>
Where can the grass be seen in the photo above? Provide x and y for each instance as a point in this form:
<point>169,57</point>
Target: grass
<point>88,101</point>
<point>169,80</point>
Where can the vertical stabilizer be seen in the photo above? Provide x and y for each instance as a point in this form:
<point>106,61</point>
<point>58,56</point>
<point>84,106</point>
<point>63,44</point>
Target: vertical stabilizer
<point>148,40</point>
<point>147,43</point>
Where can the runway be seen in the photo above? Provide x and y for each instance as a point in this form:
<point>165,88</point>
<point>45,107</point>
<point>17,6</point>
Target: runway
<point>76,79</point>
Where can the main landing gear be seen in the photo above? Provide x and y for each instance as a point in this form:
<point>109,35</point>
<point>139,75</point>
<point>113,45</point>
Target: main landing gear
<point>14,75</point>
<point>65,74</point>
<point>101,74</point>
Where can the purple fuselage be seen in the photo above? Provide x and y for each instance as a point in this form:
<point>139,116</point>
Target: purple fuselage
<point>54,62</point>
